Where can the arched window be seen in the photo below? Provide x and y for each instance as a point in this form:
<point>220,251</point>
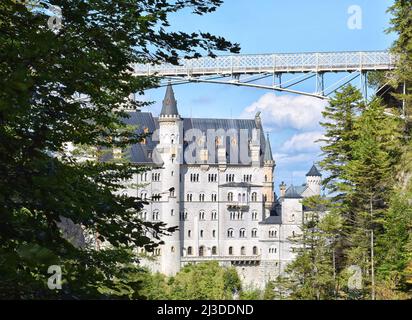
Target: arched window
<point>254,197</point>
<point>202,215</point>
<point>242,233</point>
<point>244,197</point>
<point>214,215</point>
<point>273,233</point>
<point>214,250</point>
<point>189,233</point>
<point>202,197</point>
<point>189,251</point>
<point>254,215</point>
<point>155,216</point>
<point>254,233</point>
<point>172,249</point>
<point>230,197</point>
<point>230,233</point>
<point>201,251</point>
<point>201,233</point>
<point>214,233</point>
<point>239,197</point>
<point>242,251</point>
<point>255,251</point>
<point>230,251</point>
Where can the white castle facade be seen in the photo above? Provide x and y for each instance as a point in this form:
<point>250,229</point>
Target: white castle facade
<point>225,210</point>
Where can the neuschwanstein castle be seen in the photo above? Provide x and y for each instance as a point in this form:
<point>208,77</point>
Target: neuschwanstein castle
<point>214,179</point>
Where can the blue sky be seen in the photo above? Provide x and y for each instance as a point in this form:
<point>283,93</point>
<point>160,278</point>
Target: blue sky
<point>272,26</point>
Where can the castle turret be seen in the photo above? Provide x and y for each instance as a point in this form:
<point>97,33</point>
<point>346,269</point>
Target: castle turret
<point>170,146</point>
<point>269,166</point>
<point>314,180</point>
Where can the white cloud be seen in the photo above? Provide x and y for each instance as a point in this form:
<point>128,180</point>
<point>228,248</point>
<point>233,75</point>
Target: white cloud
<point>286,111</point>
<point>290,159</point>
<point>303,142</point>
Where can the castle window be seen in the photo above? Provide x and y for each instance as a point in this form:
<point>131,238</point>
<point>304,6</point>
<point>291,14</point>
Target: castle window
<point>230,251</point>
<point>214,250</point>
<point>239,197</point>
<point>230,197</point>
<point>214,197</point>
<point>254,233</point>
<point>201,233</point>
<point>254,215</point>
<point>172,192</point>
<point>265,198</point>
<point>189,197</point>
<point>266,178</point>
<point>273,233</point>
<point>242,233</point>
<point>214,233</point>
<point>172,212</point>
<point>201,251</point>
<point>155,216</point>
<point>214,215</point>
<point>202,197</point>
<point>254,197</point>
<point>201,215</point>
<point>189,233</point>
<point>189,251</point>
<point>172,249</point>
<point>255,251</point>
<point>185,216</point>
<point>230,233</point>
<point>242,251</point>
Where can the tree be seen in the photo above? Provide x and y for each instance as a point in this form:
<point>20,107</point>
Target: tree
<point>312,275</point>
<point>71,84</point>
<point>205,281</point>
<point>339,118</point>
<point>369,173</point>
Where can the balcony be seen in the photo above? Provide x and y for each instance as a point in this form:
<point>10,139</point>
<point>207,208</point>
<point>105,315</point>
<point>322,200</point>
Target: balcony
<point>234,260</point>
<point>238,206</point>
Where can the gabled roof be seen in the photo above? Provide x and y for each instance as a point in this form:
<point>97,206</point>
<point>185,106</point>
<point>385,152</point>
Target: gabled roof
<point>292,193</point>
<point>169,107</point>
<point>313,172</point>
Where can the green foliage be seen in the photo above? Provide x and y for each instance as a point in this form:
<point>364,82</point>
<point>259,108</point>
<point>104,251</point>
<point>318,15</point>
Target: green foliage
<point>42,75</point>
<point>312,275</point>
<point>205,281</point>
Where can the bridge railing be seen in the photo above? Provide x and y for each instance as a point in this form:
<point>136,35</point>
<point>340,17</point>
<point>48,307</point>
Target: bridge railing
<point>273,63</point>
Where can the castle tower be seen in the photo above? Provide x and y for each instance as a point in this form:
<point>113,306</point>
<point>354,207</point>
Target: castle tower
<point>269,166</point>
<point>314,180</point>
<point>170,146</point>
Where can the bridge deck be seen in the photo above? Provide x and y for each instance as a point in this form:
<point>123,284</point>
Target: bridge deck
<point>274,63</point>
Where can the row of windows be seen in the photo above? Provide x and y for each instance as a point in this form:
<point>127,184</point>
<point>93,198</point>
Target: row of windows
<point>202,215</point>
<point>242,233</point>
<point>194,177</point>
<point>212,177</point>
<point>242,252</point>
<point>202,250</point>
<point>236,215</point>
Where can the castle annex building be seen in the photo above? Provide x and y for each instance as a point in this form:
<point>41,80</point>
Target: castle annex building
<point>214,179</point>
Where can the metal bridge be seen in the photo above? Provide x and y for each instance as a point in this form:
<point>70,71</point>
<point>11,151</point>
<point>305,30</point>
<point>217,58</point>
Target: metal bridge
<point>246,70</point>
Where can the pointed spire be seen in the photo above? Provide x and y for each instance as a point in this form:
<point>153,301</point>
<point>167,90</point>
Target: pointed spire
<point>268,150</point>
<point>313,172</point>
<point>169,103</point>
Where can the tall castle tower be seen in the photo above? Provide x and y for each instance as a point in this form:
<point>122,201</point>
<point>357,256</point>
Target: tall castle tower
<point>269,167</point>
<point>314,180</point>
<point>170,146</point>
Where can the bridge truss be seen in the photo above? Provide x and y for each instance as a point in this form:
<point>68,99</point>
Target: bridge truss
<point>249,70</point>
